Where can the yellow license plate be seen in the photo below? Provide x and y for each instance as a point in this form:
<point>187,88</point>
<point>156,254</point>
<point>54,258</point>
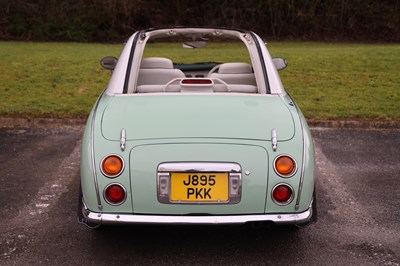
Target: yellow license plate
<point>199,187</point>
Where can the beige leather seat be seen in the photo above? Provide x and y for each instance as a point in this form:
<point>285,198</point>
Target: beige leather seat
<point>235,73</point>
<point>157,71</point>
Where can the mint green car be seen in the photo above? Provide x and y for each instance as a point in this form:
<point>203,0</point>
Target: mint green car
<point>195,127</point>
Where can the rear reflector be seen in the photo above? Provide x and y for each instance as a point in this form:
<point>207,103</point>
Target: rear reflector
<point>115,194</point>
<point>282,194</point>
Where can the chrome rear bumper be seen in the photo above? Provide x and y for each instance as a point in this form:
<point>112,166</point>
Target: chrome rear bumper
<point>107,218</point>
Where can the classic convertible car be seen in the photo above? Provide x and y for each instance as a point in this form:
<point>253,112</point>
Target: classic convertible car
<point>195,127</point>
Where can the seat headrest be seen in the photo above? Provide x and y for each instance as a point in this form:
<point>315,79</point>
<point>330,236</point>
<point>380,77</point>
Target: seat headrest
<point>156,62</point>
<point>235,68</point>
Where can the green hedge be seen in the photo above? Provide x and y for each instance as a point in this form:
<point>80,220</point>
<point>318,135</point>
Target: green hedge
<point>114,20</point>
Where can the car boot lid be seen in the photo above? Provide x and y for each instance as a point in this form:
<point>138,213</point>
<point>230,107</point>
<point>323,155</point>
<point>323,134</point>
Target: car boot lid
<point>197,116</point>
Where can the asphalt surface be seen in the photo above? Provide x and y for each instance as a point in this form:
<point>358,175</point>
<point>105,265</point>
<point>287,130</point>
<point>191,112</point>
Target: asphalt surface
<point>358,195</point>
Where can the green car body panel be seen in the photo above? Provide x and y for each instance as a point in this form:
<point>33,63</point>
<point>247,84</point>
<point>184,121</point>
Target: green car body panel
<point>195,128</point>
<point>201,116</point>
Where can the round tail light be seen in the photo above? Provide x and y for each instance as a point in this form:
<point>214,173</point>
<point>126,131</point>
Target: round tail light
<point>115,194</point>
<point>112,165</point>
<point>285,166</point>
<point>282,194</point>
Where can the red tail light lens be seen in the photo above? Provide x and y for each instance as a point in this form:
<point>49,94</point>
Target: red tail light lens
<point>112,166</point>
<point>285,166</point>
<point>115,194</point>
<point>282,194</point>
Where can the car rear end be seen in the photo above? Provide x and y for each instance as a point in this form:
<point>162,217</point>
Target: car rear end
<point>232,162</point>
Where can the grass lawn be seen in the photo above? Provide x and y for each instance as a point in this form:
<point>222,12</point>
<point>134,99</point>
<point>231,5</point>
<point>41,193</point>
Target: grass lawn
<point>328,81</point>
<point>343,80</point>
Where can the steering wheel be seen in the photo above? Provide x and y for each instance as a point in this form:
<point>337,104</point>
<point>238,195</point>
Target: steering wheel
<point>214,69</point>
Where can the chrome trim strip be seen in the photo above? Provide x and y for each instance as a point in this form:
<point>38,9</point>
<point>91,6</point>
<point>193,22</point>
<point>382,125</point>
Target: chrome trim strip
<point>107,218</point>
<point>96,183</point>
<point>199,167</point>
<point>303,160</point>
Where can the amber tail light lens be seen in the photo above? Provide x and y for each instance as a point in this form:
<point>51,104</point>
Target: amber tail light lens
<point>115,194</point>
<point>282,194</point>
<point>285,165</point>
<point>112,166</point>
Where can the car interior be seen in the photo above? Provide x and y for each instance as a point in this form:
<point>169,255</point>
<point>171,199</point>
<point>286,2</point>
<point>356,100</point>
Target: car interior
<point>158,74</point>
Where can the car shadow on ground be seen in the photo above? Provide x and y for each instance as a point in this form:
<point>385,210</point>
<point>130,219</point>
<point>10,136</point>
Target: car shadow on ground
<point>198,240</point>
